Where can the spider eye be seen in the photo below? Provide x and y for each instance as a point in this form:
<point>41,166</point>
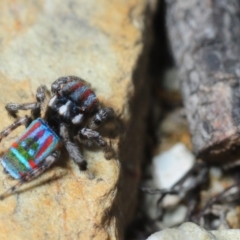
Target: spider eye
<point>97,121</point>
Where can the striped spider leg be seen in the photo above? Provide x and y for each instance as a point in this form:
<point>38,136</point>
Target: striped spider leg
<point>20,121</point>
<point>72,148</point>
<point>88,136</point>
<point>33,173</point>
<point>35,107</point>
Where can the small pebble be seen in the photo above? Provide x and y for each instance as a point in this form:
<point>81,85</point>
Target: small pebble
<point>172,165</point>
<point>191,231</point>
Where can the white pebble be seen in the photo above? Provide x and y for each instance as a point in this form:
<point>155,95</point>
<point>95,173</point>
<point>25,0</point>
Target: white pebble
<point>171,166</point>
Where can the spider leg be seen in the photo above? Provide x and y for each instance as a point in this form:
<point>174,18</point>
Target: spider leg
<point>88,136</point>
<point>13,108</point>
<point>56,85</point>
<point>72,148</point>
<point>41,93</point>
<point>29,176</point>
<point>101,116</point>
<point>21,121</point>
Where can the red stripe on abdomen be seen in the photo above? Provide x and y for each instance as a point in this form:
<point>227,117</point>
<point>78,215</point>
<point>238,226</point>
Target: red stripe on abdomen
<point>46,144</point>
<point>32,163</point>
<point>85,95</point>
<point>93,105</point>
<point>33,128</point>
<point>75,87</point>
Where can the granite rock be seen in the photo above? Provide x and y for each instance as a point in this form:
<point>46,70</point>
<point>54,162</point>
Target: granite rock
<point>105,43</point>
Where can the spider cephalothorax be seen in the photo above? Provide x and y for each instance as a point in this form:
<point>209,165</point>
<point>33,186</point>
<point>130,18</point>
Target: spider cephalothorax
<point>72,112</point>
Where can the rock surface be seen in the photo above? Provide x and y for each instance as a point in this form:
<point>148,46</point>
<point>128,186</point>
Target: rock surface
<point>189,231</point>
<point>172,165</point>
<point>102,42</point>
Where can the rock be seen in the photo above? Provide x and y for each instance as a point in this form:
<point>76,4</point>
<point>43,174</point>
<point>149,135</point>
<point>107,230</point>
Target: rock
<point>171,201</point>
<point>175,216</point>
<point>233,218</point>
<point>168,167</point>
<point>189,231</point>
<point>219,181</point>
<point>107,44</point>
<point>174,129</point>
<point>150,206</point>
<point>171,81</point>
<point>171,166</point>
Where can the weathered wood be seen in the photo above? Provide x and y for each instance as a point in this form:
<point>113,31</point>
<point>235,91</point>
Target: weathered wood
<point>205,41</point>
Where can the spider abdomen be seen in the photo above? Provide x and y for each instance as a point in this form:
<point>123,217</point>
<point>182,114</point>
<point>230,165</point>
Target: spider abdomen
<point>81,94</point>
<point>34,145</point>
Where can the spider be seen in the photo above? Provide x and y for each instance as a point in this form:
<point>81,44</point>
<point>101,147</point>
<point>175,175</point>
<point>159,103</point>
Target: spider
<point>73,113</point>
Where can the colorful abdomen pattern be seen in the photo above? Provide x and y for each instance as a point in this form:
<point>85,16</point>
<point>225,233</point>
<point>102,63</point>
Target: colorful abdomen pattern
<point>32,147</point>
<point>81,95</point>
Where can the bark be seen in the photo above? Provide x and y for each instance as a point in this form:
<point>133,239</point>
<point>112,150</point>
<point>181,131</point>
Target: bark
<point>205,41</point>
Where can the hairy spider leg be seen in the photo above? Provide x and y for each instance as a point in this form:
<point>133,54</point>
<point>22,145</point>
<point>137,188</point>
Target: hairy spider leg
<point>87,136</point>
<point>34,173</point>
<point>21,121</point>
<point>35,107</point>
<point>72,148</point>
<point>101,116</point>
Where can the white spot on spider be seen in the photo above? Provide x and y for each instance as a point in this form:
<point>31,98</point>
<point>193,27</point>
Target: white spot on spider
<point>63,109</point>
<point>51,102</point>
<point>77,119</point>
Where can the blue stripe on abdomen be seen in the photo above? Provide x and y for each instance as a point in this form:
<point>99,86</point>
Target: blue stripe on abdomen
<point>89,100</point>
<point>76,95</point>
<point>21,158</point>
<point>67,87</point>
<point>13,171</point>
